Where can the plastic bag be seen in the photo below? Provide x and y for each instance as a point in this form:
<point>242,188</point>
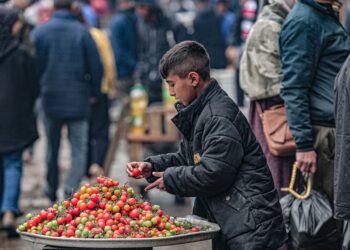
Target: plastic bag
<point>310,222</point>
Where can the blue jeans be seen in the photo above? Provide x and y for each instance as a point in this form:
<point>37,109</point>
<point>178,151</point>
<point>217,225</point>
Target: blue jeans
<point>78,138</point>
<point>11,168</point>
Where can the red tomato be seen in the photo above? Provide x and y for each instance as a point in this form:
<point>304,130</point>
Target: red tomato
<point>66,203</point>
<point>123,198</point>
<point>69,218</point>
<point>43,215</point>
<point>70,233</point>
<point>135,213</point>
<point>90,205</point>
<point>74,201</point>
<point>94,198</point>
<point>136,172</point>
<point>195,229</point>
<point>60,220</point>
<point>50,216</point>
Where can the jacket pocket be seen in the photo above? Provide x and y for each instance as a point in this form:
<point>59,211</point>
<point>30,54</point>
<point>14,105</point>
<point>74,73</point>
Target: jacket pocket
<point>235,200</point>
<point>232,211</point>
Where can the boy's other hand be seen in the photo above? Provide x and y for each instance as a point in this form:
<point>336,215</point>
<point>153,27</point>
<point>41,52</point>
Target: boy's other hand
<point>307,161</point>
<point>144,167</point>
<point>159,183</point>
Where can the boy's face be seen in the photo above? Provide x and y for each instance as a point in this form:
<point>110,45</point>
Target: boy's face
<point>183,89</point>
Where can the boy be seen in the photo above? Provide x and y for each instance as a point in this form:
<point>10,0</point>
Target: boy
<point>219,160</point>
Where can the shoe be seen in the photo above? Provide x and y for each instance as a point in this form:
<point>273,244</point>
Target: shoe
<point>9,224</point>
<point>10,231</point>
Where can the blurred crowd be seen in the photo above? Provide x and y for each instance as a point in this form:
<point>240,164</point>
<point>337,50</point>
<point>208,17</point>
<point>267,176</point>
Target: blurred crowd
<point>64,62</point>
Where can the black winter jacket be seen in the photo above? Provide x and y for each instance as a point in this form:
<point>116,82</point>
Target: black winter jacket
<point>19,87</point>
<point>342,147</point>
<point>221,163</point>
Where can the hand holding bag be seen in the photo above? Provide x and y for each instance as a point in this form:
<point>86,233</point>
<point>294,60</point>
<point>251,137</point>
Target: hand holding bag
<point>309,217</point>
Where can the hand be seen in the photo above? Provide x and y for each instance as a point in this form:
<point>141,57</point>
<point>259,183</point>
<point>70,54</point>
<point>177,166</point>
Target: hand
<point>159,183</point>
<point>307,161</point>
<point>144,167</point>
<point>93,100</point>
<point>232,54</point>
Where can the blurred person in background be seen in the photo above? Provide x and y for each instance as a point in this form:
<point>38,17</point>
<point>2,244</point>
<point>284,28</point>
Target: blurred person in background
<point>342,150</point>
<point>209,18</point>
<point>99,117</point>
<point>23,37</point>
<point>246,17</point>
<point>70,72</point>
<point>19,87</point>
<point>124,43</point>
<point>261,76</point>
<point>156,34</point>
<point>90,15</point>
<point>313,46</point>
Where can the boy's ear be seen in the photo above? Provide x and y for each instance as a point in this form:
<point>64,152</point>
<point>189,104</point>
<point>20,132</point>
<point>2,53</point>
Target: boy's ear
<point>195,78</point>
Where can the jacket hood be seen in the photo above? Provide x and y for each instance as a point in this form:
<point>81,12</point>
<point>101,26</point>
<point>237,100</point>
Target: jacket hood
<point>281,8</point>
<point>8,42</point>
<point>324,8</point>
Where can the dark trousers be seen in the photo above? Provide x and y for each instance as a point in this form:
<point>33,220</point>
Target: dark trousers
<point>78,138</point>
<point>98,132</point>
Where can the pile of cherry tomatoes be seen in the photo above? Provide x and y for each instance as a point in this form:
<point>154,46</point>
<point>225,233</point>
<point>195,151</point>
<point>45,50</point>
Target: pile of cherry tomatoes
<point>105,210</point>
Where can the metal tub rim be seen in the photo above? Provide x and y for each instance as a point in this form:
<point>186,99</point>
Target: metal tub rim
<point>126,242</point>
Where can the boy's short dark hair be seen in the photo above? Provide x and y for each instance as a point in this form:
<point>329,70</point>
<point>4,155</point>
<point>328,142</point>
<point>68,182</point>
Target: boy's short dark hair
<point>185,57</point>
<point>63,4</point>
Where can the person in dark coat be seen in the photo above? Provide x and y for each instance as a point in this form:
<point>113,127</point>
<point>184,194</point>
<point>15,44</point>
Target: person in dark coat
<point>124,44</point>
<point>313,47</point>
<point>342,150</point>
<point>156,34</point>
<point>70,76</point>
<point>219,160</point>
<point>207,19</point>
<point>19,87</point>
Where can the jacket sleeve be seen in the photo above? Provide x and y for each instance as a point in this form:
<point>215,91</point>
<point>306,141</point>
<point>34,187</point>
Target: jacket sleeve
<point>162,162</point>
<point>32,74</point>
<point>300,48</point>
<point>94,66</point>
<point>220,161</point>
<point>261,54</point>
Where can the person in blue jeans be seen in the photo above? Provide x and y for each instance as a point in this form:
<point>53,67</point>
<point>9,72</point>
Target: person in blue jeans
<point>70,72</point>
<point>18,91</point>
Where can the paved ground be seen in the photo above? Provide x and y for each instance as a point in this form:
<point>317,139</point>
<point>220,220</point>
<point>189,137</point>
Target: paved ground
<point>32,198</point>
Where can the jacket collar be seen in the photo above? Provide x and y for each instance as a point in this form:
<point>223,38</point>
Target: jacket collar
<point>186,117</point>
<point>63,14</point>
<point>324,8</point>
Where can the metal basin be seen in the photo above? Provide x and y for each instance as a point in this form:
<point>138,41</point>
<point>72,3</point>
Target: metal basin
<point>126,243</point>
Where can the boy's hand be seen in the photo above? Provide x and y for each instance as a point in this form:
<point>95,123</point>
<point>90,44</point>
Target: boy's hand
<point>158,183</point>
<point>144,167</point>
